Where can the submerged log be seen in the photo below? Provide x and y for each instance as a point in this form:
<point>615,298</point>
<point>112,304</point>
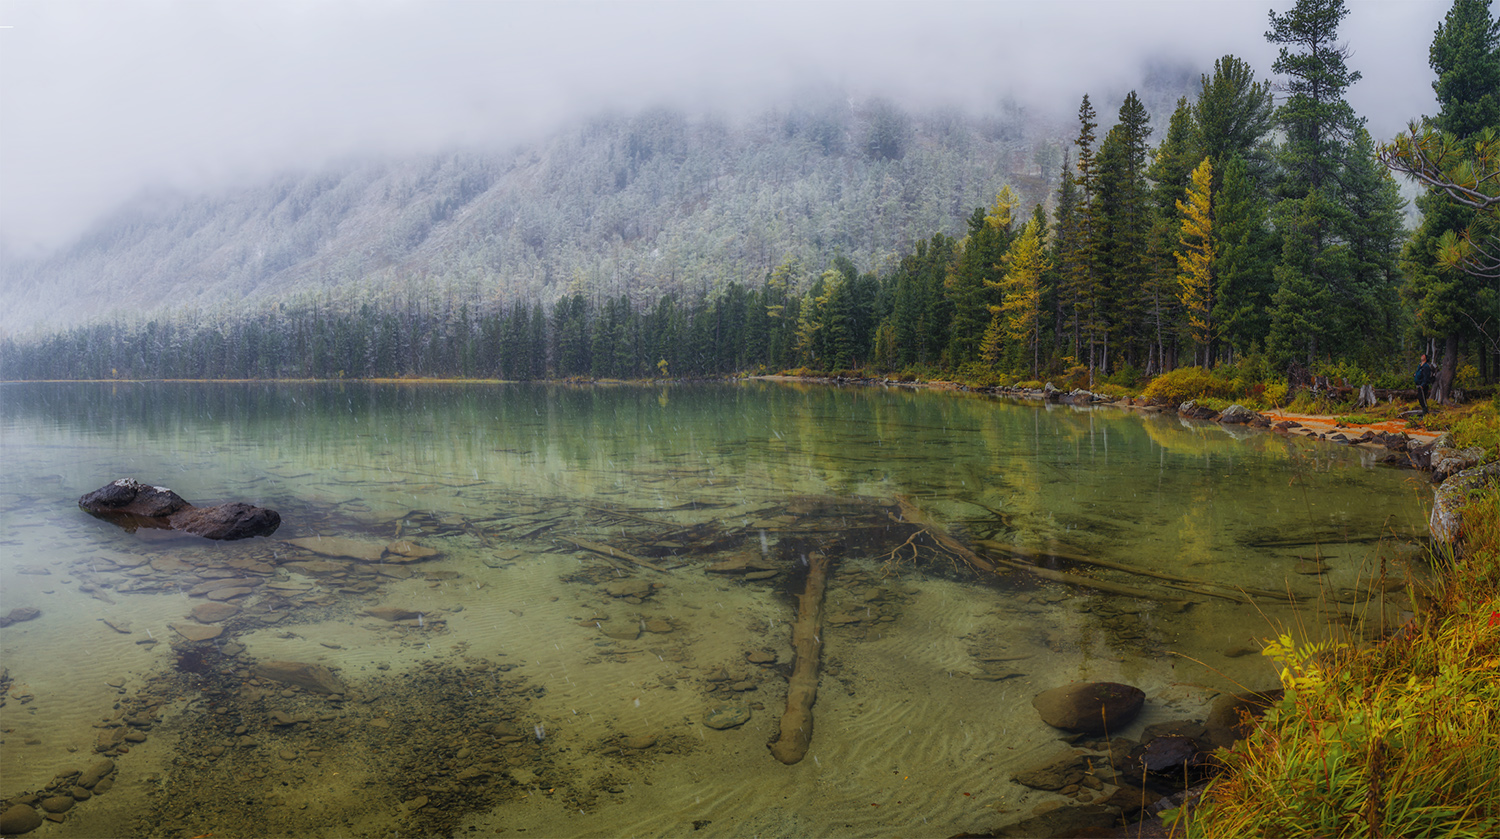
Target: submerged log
<point>1190,584</point>
<point>612,553</point>
<point>1090,582</point>
<point>912,515</point>
<point>795,735</point>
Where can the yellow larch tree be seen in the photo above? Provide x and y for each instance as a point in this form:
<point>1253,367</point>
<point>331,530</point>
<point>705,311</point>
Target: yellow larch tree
<point>1022,286</point>
<point>1195,258</point>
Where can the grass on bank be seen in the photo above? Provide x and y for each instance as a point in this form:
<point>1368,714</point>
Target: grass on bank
<point>1398,739</point>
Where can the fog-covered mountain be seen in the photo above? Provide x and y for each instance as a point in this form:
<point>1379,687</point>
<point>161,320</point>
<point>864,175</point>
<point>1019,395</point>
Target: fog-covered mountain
<point>643,204</point>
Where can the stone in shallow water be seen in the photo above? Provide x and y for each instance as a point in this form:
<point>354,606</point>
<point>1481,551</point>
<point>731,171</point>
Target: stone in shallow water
<point>19,614</point>
<point>391,613</point>
<point>214,612</point>
<point>340,546</point>
<point>197,632</point>
<point>314,677</point>
<point>21,818</point>
<point>1090,707</point>
<point>728,715</point>
<point>408,550</point>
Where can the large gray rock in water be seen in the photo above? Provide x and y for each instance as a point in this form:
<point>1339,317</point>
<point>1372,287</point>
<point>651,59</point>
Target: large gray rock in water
<point>132,505</point>
<point>228,522</point>
<point>128,497</point>
<point>1090,707</point>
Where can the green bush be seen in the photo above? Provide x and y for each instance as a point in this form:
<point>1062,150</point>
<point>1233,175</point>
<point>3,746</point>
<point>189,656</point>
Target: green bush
<point>1124,377</point>
<point>1186,383</point>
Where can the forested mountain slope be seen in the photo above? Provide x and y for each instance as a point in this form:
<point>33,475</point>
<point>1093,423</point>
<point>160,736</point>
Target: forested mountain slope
<point>638,205</point>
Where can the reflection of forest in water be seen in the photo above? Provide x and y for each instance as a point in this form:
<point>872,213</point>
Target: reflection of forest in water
<point>1149,489</point>
<point>620,553</point>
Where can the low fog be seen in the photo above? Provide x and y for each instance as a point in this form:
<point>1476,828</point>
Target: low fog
<point>102,101</point>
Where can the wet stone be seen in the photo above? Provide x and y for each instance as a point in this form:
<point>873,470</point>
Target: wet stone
<point>727,715</point>
<point>214,612</point>
<point>621,630</point>
<point>197,632</point>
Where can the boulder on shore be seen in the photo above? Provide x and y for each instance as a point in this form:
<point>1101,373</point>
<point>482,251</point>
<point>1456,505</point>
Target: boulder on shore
<point>132,505</point>
<point>1446,522</point>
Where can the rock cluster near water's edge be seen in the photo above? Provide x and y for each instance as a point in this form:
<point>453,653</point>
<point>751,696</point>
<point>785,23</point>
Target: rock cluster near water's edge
<point>131,504</point>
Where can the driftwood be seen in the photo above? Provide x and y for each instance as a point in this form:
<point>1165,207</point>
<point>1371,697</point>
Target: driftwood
<point>791,743</point>
<point>612,553</point>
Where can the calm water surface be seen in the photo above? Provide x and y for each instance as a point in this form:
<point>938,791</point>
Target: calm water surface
<point>528,682</point>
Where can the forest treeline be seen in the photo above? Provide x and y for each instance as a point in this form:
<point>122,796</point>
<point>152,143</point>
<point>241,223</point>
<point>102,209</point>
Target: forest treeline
<point>1259,226</point>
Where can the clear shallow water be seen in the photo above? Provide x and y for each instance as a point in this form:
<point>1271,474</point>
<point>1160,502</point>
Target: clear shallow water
<point>924,705</point>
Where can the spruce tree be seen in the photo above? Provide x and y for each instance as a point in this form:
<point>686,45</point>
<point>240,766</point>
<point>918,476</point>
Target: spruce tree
<point>1245,258</point>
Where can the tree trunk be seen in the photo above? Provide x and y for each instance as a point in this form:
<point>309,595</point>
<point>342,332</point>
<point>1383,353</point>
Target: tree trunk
<point>795,734</point>
<point>1443,393</point>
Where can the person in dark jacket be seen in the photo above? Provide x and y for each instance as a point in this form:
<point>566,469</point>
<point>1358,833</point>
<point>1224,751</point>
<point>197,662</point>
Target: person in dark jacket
<point>1425,375</point>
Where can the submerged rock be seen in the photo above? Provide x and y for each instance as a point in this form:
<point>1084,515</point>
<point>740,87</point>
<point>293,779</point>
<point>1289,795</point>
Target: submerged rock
<point>1090,707</point>
<point>131,505</point>
<point>313,677</point>
<point>18,819</point>
<point>19,614</point>
<point>728,715</point>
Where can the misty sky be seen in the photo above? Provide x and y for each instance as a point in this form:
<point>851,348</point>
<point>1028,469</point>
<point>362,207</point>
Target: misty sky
<point>100,100</point>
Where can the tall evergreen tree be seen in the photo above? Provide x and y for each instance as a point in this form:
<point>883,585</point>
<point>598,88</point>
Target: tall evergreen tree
<point>1317,120</point>
<point>1246,254</point>
<point>1319,124</point>
<point>1232,117</point>
<point>1120,229</point>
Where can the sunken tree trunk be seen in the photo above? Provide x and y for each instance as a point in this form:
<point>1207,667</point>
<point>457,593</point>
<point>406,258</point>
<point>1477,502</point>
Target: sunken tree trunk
<point>791,743</point>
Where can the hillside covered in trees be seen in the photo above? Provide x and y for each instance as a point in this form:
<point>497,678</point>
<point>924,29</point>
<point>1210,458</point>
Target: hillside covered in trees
<point>652,203</point>
<point>1253,220</point>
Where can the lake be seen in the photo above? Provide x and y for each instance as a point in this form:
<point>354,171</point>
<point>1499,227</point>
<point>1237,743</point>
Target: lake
<point>554,668</point>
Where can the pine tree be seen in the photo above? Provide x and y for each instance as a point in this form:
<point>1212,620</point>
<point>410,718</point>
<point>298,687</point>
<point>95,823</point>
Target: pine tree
<point>1232,117</point>
<point>1121,224</point>
<point>1170,175</point>
<point>1319,126</point>
<point>1246,254</point>
<point>1318,122</point>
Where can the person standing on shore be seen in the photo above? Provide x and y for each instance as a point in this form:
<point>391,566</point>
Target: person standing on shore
<point>1425,374</point>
